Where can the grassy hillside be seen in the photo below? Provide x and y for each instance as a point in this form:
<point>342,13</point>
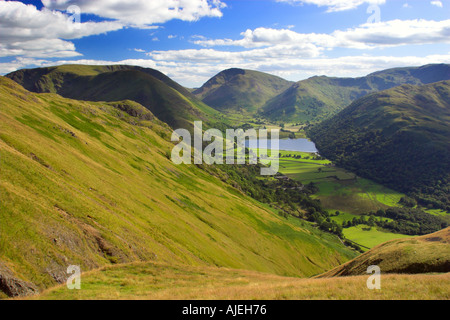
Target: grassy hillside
<point>319,98</point>
<point>169,101</point>
<point>426,254</point>
<point>398,137</point>
<point>243,91</point>
<point>90,184</point>
<point>157,281</point>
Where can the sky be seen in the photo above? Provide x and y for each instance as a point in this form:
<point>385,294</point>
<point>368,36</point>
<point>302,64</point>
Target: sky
<point>192,40</point>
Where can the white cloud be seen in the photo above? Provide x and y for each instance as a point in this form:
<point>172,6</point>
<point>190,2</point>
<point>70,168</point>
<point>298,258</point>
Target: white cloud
<point>334,6</point>
<point>367,36</point>
<point>141,13</point>
<point>437,4</point>
<point>27,31</point>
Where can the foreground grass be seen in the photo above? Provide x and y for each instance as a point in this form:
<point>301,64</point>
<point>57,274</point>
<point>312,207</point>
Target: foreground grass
<point>88,184</point>
<point>157,281</point>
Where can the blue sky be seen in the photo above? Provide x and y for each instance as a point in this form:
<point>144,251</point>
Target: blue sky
<point>192,40</point>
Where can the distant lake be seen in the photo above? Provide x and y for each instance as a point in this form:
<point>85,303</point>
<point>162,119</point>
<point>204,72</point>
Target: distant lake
<point>301,145</point>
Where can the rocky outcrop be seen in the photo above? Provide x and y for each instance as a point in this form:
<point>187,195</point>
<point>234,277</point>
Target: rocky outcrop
<point>14,287</point>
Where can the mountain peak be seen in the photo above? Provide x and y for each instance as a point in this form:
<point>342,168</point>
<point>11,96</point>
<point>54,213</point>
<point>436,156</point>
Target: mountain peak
<point>241,90</point>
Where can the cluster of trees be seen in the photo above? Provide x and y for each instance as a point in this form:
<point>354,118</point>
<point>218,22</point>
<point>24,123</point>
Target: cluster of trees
<point>408,202</point>
<point>407,221</point>
<point>289,196</point>
<point>298,156</point>
<point>295,156</point>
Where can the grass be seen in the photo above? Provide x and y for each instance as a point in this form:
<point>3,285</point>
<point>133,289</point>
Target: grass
<point>370,237</point>
<point>412,255</point>
<point>169,101</point>
<point>338,189</point>
<point>84,183</point>
<point>168,282</point>
<point>343,191</point>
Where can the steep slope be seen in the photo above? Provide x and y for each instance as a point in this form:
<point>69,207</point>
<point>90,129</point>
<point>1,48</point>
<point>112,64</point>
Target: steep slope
<point>399,137</point>
<point>318,98</point>
<point>168,100</point>
<point>238,90</point>
<point>426,254</point>
<point>90,184</point>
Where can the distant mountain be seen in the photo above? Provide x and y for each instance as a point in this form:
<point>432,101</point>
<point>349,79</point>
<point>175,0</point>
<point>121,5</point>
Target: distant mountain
<point>92,184</point>
<point>426,254</point>
<point>398,137</point>
<point>319,98</point>
<point>238,90</point>
<point>168,100</point>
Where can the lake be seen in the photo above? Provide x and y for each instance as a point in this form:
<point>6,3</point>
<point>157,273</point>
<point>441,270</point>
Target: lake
<point>301,145</point>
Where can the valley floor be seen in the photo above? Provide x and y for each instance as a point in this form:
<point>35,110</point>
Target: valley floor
<point>151,281</point>
<point>350,195</point>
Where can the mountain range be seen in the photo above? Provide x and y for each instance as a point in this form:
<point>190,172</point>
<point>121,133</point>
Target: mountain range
<point>87,178</point>
<point>92,184</point>
<point>310,100</point>
<point>165,98</point>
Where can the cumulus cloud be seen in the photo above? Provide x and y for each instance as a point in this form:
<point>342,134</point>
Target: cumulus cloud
<point>367,36</point>
<point>141,13</point>
<point>334,6</point>
<point>27,31</point>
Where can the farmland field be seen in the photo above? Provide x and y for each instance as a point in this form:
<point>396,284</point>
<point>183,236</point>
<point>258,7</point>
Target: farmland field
<point>343,191</point>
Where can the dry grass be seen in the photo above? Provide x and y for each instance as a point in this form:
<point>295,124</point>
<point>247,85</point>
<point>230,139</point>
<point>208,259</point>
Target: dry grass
<point>152,281</point>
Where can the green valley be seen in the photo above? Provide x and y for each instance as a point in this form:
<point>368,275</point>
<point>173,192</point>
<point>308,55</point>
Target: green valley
<point>87,183</point>
<point>391,136</point>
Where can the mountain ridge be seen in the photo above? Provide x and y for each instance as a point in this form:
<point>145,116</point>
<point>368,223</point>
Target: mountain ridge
<point>168,100</point>
<point>240,90</point>
<point>425,254</point>
<point>321,97</point>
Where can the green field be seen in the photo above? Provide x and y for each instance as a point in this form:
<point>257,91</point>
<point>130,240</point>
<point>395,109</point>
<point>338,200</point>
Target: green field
<point>343,191</point>
<point>370,237</point>
<point>339,189</point>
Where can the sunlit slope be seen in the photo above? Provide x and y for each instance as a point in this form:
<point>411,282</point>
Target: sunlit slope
<point>157,281</point>
<point>85,183</point>
<point>398,137</point>
<point>168,100</point>
<point>426,254</point>
<point>319,98</point>
<point>242,91</point>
